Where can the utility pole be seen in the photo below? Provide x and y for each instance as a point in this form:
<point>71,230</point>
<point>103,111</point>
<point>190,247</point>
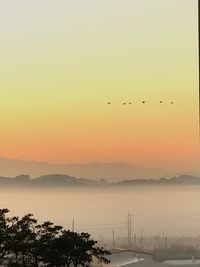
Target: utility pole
<point>135,240</point>
<point>73,224</point>
<point>166,242</point>
<point>113,237</point>
<point>129,230</point>
<point>130,245</point>
<point>142,238</point>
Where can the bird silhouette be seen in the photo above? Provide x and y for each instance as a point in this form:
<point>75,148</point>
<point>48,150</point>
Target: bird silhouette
<point>143,102</point>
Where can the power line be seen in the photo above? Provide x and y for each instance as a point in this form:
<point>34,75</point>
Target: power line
<point>100,228</point>
<point>138,217</point>
<point>168,217</point>
<point>102,224</point>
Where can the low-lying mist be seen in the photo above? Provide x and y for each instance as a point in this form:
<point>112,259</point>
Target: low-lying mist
<point>155,210</point>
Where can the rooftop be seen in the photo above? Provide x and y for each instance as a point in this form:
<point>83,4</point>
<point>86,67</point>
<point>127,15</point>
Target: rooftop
<point>185,263</point>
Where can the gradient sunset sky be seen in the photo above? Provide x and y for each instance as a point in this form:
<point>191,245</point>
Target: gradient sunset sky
<point>61,61</point>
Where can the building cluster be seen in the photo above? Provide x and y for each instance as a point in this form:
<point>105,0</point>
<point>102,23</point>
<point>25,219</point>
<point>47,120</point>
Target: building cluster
<point>130,258</point>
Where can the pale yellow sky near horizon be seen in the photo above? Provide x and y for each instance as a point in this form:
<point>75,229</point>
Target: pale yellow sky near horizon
<point>63,60</point>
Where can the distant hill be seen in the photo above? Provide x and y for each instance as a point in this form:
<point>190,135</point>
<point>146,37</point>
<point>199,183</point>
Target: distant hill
<point>52,180</point>
<point>179,180</point>
<point>109,171</point>
<point>59,180</point>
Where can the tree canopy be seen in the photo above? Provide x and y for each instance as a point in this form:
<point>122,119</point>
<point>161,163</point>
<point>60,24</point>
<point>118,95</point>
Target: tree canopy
<point>25,242</point>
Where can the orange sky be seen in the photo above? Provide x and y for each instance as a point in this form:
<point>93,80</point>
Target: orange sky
<point>59,71</point>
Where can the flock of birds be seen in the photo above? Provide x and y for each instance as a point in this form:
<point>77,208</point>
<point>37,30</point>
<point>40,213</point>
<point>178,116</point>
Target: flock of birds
<point>143,102</point>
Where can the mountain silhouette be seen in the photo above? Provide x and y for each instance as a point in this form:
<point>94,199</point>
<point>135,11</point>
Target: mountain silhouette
<point>63,181</point>
<point>110,171</point>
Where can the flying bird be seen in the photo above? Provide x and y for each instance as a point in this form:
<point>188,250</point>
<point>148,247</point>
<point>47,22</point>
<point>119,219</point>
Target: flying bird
<point>143,102</point>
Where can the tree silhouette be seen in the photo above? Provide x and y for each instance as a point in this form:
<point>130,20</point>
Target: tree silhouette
<point>22,238</point>
<point>24,242</point>
<point>75,249</point>
<point>4,233</point>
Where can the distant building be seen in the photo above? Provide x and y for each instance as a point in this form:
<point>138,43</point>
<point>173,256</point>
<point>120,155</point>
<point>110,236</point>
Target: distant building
<point>129,258</point>
<point>147,263</point>
<point>127,254</point>
<point>183,263</point>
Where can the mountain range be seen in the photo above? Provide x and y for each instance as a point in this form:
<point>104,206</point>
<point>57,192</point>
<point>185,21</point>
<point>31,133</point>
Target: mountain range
<point>64,181</point>
<point>110,171</point>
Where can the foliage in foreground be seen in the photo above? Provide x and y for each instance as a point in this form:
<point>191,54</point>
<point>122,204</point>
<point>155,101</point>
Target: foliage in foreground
<point>24,242</point>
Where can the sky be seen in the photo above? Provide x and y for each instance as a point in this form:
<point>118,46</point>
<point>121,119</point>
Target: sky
<point>62,61</point>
